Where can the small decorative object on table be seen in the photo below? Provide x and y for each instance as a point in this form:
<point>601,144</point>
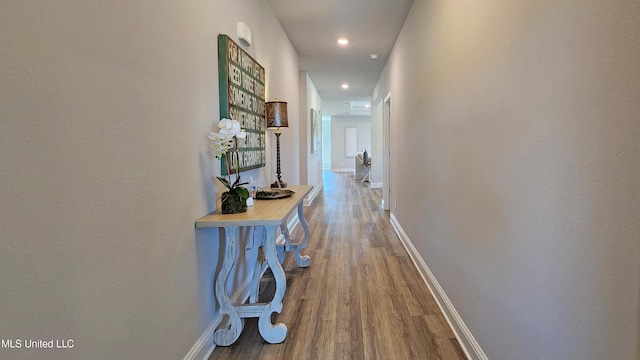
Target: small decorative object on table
<point>225,145</point>
<point>273,194</point>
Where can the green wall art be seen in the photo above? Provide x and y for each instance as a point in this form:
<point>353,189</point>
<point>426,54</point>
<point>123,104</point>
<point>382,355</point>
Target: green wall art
<point>241,83</point>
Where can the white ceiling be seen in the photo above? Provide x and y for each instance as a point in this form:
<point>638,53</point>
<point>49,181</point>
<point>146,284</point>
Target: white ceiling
<point>314,26</point>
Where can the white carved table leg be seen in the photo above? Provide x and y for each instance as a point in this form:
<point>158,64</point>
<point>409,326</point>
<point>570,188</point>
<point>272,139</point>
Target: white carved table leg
<point>280,250</point>
<point>302,261</point>
<point>255,281</point>
<point>287,242</point>
<point>273,334</point>
<point>287,237</point>
<point>226,337</point>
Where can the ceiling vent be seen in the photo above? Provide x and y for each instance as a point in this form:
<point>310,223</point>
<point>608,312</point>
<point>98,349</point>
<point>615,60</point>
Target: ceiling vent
<point>360,105</point>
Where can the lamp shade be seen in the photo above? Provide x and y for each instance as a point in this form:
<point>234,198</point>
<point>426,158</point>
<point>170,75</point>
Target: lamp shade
<point>277,114</point>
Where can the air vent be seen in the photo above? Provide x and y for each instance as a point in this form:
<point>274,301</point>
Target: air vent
<point>360,105</point>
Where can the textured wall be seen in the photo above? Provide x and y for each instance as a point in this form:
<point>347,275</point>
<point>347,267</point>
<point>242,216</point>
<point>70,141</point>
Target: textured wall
<point>524,117</point>
<point>105,110</point>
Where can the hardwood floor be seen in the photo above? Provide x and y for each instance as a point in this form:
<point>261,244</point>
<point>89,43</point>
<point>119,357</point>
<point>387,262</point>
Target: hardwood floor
<point>361,297</point>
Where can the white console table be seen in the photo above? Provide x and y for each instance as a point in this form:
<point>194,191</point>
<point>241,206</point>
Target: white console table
<point>269,214</point>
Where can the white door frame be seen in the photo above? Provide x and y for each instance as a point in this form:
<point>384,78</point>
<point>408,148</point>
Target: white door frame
<point>386,152</point>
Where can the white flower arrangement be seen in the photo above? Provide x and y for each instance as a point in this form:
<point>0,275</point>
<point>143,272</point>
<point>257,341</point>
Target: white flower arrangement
<point>221,142</point>
<point>219,145</point>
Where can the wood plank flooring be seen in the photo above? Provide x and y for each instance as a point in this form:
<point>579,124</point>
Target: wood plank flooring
<point>361,298</point>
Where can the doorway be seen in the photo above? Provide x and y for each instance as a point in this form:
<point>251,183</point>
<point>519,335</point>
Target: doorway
<point>326,143</point>
<point>386,153</point>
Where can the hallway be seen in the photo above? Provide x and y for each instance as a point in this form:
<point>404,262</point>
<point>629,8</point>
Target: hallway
<point>361,298</point>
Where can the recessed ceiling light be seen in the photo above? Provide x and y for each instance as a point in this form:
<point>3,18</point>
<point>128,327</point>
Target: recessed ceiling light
<point>343,41</point>
<point>345,86</point>
<point>374,56</point>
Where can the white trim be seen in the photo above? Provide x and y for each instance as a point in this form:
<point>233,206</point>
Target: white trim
<point>468,343</point>
<point>386,151</point>
<point>203,348</point>
<point>343,169</point>
<point>375,185</point>
<point>291,226</point>
<point>312,195</point>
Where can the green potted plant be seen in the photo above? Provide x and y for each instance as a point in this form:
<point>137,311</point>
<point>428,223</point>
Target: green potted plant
<point>224,145</point>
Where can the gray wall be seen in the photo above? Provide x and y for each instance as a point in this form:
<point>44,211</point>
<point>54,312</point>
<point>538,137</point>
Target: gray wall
<point>326,143</point>
<point>339,160</point>
<point>377,144</point>
<point>524,118</point>
<point>311,163</point>
<point>105,111</point>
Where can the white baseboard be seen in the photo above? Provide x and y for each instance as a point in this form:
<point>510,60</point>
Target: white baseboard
<point>468,343</point>
<point>375,185</point>
<point>312,195</point>
<point>342,169</point>
<point>291,225</point>
<point>203,348</point>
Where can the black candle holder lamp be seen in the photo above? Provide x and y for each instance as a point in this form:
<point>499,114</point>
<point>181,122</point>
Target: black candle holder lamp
<point>276,118</point>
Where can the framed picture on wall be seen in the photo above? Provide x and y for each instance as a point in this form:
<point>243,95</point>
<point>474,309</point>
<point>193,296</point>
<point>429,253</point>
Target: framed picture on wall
<point>241,82</point>
<point>313,127</point>
<point>318,129</point>
<point>351,141</point>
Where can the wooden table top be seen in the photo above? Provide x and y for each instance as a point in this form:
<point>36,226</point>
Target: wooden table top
<point>264,212</point>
